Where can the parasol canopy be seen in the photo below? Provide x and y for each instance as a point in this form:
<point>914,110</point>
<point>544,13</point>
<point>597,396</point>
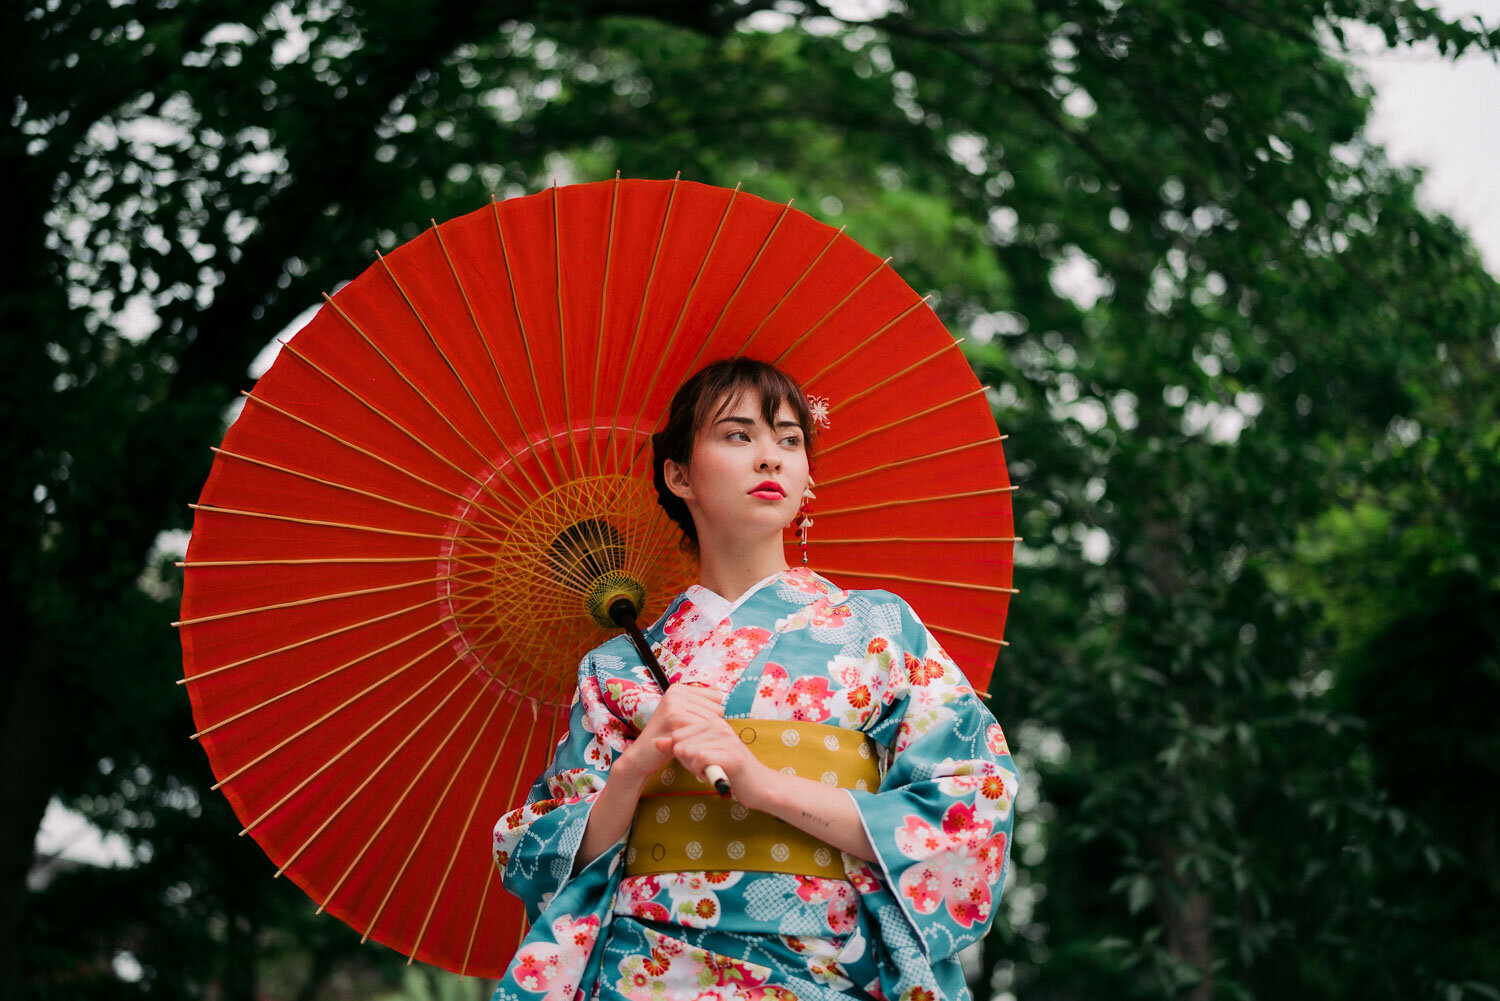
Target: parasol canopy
<point>387,590</point>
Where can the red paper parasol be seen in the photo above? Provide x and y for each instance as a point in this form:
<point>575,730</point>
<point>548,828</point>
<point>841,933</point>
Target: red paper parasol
<point>385,594</point>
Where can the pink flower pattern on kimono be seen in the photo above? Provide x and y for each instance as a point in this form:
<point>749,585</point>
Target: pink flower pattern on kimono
<point>933,680</point>
<point>714,657</point>
<point>778,697</point>
<point>821,956</point>
<point>961,860</point>
<point>856,689</point>
<point>994,738</point>
<point>920,721</point>
<point>804,580</point>
<point>553,969</point>
<point>838,894</point>
<point>574,785</point>
<point>686,621</point>
<point>864,877</point>
<point>599,721</point>
<point>633,701</point>
<point>822,613</point>
<point>882,661</point>
<point>675,971</point>
<point>695,898</point>
<point>994,784</point>
<point>637,897</point>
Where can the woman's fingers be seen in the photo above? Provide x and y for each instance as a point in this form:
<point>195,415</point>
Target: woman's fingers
<point>689,700</point>
<point>684,703</point>
<point>685,712</point>
<point>701,743</point>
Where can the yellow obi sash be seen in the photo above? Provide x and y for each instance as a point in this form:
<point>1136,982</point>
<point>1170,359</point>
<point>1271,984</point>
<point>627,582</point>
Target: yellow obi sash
<point>681,824</point>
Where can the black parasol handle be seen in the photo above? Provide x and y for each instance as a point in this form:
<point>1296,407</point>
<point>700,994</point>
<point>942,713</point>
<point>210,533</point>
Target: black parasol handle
<point>622,610</point>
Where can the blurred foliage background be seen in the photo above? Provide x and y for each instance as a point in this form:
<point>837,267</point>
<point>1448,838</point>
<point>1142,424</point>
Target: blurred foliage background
<point>1250,388</point>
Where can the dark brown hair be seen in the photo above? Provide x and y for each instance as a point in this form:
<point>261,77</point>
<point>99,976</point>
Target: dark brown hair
<point>700,401</point>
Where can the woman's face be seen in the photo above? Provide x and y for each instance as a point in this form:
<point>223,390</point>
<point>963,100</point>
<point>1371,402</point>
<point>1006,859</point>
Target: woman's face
<point>745,477</point>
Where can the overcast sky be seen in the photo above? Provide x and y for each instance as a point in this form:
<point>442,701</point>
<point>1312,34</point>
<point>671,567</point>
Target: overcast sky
<point>1445,117</point>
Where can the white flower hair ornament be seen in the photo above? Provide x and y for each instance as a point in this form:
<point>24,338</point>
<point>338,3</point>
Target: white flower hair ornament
<point>818,405</point>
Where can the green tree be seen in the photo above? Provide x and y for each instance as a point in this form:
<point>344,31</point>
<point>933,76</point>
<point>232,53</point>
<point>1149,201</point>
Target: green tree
<point>1209,709</point>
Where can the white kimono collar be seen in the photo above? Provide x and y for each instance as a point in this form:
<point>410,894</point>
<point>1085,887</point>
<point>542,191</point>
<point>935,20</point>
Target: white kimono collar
<point>715,607</point>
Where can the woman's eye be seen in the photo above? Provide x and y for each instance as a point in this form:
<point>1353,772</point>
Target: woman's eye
<point>792,440</point>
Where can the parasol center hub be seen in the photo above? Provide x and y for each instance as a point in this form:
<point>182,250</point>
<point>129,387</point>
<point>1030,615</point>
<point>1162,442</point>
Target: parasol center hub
<point>528,602</point>
<point>609,589</point>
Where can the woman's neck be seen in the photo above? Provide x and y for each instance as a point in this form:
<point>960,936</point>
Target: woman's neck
<point>731,571</point>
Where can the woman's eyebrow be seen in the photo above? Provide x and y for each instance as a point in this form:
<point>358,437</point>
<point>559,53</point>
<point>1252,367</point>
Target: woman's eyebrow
<point>748,421</point>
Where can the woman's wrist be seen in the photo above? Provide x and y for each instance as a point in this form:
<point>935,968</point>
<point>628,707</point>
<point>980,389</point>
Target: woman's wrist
<point>629,770</point>
<point>756,787</point>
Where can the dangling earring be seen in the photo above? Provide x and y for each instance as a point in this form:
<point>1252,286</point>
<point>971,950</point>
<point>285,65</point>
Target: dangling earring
<point>804,517</point>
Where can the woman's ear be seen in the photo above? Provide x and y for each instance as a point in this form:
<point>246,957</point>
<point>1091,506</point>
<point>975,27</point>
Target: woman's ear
<point>675,475</point>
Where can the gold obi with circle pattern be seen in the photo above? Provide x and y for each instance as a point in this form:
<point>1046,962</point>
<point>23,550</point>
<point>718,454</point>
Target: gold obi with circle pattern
<point>681,824</point>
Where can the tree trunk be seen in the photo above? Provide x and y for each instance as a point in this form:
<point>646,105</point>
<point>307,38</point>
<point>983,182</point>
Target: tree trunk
<point>28,733</point>
<point>1186,911</point>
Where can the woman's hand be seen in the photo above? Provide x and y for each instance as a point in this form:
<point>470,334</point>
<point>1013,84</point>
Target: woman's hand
<point>701,743</point>
<point>682,706</point>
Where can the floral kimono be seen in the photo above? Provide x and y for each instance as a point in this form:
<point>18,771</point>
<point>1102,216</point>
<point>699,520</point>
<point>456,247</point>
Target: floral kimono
<point>795,647</point>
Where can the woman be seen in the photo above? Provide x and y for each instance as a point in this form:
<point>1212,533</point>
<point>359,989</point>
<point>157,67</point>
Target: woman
<point>867,838</point>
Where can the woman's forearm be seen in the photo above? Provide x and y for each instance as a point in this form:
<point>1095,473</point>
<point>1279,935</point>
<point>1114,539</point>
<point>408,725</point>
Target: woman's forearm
<point>826,813</point>
<point>612,813</point>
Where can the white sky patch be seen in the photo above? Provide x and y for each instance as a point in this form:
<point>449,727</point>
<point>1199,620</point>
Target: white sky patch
<point>173,542</point>
<point>294,45</point>
<point>69,835</point>
<point>984,327</point>
<point>127,967</point>
<point>967,150</point>
<point>1004,225</point>
<point>858,10</point>
<point>769,21</point>
<point>1079,103</point>
<point>1096,545</point>
<point>229,33</point>
<point>1088,412</point>
<point>262,362</point>
<point>138,320</point>
<point>1216,422</point>
<point>1443,115</point>
<point>1077,277</point>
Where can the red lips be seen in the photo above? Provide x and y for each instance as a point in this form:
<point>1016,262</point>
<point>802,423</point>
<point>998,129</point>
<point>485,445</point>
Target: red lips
<point>769,486</point>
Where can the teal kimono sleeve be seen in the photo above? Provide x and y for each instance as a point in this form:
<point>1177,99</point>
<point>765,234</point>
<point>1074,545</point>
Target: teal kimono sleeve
<point>536,847</point>
<point>536,844</point>
<point>940,823</point>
